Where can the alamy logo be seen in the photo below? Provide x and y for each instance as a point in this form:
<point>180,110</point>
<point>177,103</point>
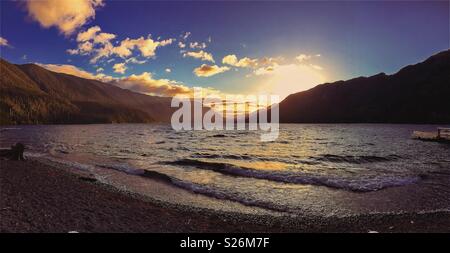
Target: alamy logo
<point>231,112</point>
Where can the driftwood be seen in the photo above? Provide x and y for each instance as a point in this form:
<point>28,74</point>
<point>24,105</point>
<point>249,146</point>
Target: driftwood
<point>14,153</point>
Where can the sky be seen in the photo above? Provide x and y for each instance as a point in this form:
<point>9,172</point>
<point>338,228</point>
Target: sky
<point>235,47</point>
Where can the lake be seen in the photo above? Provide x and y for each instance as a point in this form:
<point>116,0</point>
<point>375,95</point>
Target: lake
<point>311,169</point>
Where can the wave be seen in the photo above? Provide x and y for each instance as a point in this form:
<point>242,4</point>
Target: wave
<point>354,159</point>
<point>312,160</point>
<point>230,195</point>
<point>366,184</point>
<point>204,190</point>
<point>193,187</point>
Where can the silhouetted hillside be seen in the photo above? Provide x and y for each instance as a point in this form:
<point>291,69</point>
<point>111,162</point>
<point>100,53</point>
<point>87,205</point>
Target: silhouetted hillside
<point>30,94</point>
<point>418,93</point>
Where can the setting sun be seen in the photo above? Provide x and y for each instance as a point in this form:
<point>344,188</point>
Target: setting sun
<point>292,78</point>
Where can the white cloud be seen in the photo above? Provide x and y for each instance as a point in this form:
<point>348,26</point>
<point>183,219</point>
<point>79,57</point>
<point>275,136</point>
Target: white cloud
<point>264,70</point>
<point>243,63</point>
<point>186,35</point>
<point>166,42</point>
<point>270,61</point>
<point>202,55</point>
<point>275,65</point>
<point>135,61</point>
<point>89,34</point>
<point>93,34</point>
<point>84,48</point>
<point>67,16</point>
<point>102,45</point>
<point>197,45</point>
<point>120,68</point>
<point>303,57</point>
<point>100,70</point>
<point>230,59</point>
<point>104,38</point>
<point>168,70</point>
<point>4,42</point>
<point>147,48</point>
<point>181,44</point>
<point>209,70</point>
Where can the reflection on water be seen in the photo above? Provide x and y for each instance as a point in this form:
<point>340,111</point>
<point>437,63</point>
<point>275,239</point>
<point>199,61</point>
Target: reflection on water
<point>310,167</point>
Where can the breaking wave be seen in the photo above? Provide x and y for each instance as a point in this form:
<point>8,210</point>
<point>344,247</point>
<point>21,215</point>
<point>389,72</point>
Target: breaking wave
<point>361,184</point>
<point>194,187</point>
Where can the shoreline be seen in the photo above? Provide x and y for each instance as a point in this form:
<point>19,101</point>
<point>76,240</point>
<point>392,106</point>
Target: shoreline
<point>39,197</point>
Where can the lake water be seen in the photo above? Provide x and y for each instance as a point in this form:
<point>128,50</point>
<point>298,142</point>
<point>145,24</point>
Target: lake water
<point>316,169</point>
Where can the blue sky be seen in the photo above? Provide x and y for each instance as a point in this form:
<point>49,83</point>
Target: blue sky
<point>336,40</point>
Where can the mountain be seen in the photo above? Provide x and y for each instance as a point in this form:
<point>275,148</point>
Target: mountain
<point>30,94</point>
<point>417,93</point>
<point>420,93</point>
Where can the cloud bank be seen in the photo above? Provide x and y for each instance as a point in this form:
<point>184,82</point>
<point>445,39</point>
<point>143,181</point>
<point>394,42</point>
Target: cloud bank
<point>145,83</point>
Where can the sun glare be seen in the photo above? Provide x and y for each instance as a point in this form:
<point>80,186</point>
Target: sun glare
<point>292,78</point>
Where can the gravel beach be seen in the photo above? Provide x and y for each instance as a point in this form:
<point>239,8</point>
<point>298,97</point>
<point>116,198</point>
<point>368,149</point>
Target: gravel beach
<point>37,197</point>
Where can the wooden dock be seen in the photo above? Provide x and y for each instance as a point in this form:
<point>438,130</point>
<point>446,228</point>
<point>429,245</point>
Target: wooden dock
<point>441,135</point>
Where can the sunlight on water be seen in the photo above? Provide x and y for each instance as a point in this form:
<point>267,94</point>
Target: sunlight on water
<point>310,168</point>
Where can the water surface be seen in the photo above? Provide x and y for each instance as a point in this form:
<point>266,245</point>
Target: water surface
<point>320,169</point>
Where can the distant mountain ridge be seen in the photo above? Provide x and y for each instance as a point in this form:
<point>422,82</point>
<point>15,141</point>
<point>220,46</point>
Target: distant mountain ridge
<point>417,93</point>
<point>30,94</point>
<point>420,93</point>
